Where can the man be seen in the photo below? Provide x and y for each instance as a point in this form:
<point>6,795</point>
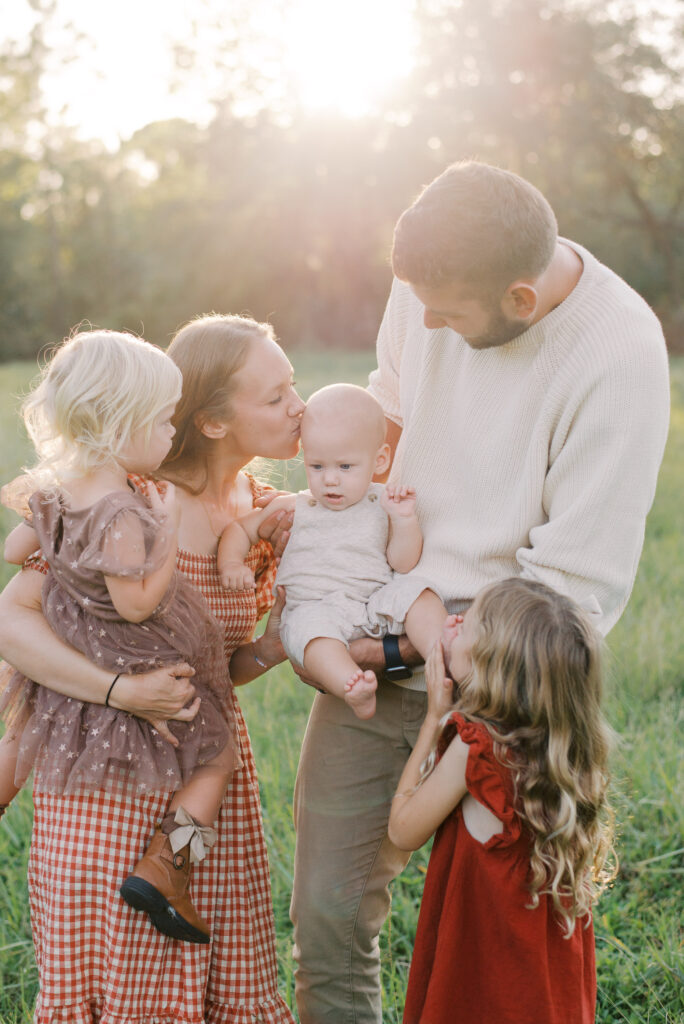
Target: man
<point>525,387</point>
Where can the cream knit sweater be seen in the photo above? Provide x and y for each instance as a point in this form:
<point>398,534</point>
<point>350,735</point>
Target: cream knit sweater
<point>538,457</point>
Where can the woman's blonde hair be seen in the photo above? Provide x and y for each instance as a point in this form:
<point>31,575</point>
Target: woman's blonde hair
<point>209,351</point>
<point>536,685</point>
<point>97,389</point>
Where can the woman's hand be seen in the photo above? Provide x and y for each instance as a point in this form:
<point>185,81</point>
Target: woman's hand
<point>162,693</point>
<point>439,687</point>
<point>276,528</point>
<point>271,650</point>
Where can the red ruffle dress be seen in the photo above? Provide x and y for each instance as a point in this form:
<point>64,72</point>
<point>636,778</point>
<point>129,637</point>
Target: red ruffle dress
<point>481,956</point>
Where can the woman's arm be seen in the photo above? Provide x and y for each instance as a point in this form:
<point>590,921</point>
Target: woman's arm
<point>28,643</point>
<point>252,659</point>
<point>418,810</point>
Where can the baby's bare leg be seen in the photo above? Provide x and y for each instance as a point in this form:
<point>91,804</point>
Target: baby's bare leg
<point>329,662</point>
<point>424,622</point>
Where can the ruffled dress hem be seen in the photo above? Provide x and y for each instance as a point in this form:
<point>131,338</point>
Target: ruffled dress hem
<point>90,1011</point>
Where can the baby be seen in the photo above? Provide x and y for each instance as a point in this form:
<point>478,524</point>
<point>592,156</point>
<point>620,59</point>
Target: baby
<point>350,536</point>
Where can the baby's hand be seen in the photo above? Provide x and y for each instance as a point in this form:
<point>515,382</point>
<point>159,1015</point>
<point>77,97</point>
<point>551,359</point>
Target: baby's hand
<point>237,576</point>
<point>399,502</point>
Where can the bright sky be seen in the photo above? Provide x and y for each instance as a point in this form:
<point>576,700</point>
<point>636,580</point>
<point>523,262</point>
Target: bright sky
<point>338,54</point>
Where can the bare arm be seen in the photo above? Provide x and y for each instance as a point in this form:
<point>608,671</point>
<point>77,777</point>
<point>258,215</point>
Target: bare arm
<point>239,536</point>
<point>136,599</point>
<point>28,643</point>
<point>417,811</point>
<point>21,542</point>
<point>405,542</point>
<point>253,659</point>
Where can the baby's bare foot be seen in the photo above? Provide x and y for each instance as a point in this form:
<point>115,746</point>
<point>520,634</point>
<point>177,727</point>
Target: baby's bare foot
<point>359,693</point>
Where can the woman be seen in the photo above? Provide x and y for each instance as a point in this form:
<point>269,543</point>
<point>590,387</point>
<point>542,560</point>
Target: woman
<point>104,960</point>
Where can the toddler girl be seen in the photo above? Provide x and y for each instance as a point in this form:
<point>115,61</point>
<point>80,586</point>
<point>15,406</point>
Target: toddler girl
<point>349,538</point>
<point>103,411</point>
<point>517,791</point>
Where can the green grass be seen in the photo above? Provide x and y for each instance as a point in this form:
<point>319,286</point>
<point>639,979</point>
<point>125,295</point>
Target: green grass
<point>639,922</point>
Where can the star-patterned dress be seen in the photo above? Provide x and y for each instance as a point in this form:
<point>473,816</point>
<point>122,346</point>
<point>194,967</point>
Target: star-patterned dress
<point>100,962</point>
<point>75,746</point>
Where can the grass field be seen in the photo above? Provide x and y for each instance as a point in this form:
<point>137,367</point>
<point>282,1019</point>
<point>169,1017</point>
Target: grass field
<point>639,923</point>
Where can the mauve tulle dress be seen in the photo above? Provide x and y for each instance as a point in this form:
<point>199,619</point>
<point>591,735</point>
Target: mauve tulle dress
<point>75,747</point>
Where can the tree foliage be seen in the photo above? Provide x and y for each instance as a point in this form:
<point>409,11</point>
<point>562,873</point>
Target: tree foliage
<point>289,216</point>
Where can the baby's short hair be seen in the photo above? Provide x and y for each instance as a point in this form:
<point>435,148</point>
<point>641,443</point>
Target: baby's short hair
<point>348,401</point>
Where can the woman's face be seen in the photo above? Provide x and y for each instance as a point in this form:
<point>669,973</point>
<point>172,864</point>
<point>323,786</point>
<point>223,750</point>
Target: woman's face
<point>267,410</point>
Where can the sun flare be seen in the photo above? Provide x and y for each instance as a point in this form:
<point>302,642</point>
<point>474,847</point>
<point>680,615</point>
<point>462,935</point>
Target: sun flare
<point>343,55</point>
<point>339,55</point>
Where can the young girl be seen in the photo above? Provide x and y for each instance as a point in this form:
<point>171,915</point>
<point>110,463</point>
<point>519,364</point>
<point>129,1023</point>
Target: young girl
<point>101,412</point>
<point>517,792</point>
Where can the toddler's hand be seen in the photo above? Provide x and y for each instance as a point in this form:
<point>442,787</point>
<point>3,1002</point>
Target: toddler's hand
<point>237,576</point>
<point>399,502</point>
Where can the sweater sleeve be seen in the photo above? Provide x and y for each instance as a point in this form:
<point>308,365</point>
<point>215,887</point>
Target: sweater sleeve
<point>383,383</point>
<point>603,464</point>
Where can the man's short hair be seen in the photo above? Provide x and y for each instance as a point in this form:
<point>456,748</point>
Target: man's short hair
<point>478,225</point>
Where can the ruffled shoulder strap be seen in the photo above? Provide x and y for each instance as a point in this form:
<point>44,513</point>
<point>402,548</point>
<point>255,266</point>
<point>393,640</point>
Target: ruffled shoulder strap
<point>47,514</point>
<point>258,487</point>
<point>487,780</point>
<point>126,538</point>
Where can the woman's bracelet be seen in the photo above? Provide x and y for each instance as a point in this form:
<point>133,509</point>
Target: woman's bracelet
<point>258,660</point>
<point>109,691</point>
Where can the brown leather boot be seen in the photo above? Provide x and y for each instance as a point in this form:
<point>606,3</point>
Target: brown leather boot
<point>158,885</point>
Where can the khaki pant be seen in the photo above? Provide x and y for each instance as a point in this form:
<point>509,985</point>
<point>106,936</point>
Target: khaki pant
<point>344,861</point>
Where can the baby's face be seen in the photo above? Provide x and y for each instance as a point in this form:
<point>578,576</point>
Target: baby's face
<point>340,462</point>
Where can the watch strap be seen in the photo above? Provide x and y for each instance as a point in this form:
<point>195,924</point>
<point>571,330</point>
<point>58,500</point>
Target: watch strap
<point>394,663</point>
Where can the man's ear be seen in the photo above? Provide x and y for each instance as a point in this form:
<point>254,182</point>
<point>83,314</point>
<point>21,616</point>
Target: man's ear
<point>520,300</point>
<point>383,460</point>
<point>212,429</point>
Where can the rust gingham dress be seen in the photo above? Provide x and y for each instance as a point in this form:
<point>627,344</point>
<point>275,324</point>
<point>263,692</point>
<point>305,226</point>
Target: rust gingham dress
<point>101,962</point>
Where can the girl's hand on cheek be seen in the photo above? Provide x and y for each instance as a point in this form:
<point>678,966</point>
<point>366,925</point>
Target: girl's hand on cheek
<point>439,686</point>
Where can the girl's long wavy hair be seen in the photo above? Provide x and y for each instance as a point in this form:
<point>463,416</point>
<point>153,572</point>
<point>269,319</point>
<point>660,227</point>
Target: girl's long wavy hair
<point>97,390</point>
<point>536,685</point>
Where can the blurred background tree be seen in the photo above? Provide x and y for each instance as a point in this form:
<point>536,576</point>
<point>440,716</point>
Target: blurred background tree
<point>287,213</point>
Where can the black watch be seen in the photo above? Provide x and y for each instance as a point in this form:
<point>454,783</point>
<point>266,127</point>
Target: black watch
<point>394,666</point>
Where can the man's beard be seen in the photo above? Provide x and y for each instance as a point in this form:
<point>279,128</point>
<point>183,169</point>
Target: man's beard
<point>500,331</point>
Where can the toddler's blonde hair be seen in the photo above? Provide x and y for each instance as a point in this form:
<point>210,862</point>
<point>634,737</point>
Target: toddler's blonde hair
<point>98,388</point>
